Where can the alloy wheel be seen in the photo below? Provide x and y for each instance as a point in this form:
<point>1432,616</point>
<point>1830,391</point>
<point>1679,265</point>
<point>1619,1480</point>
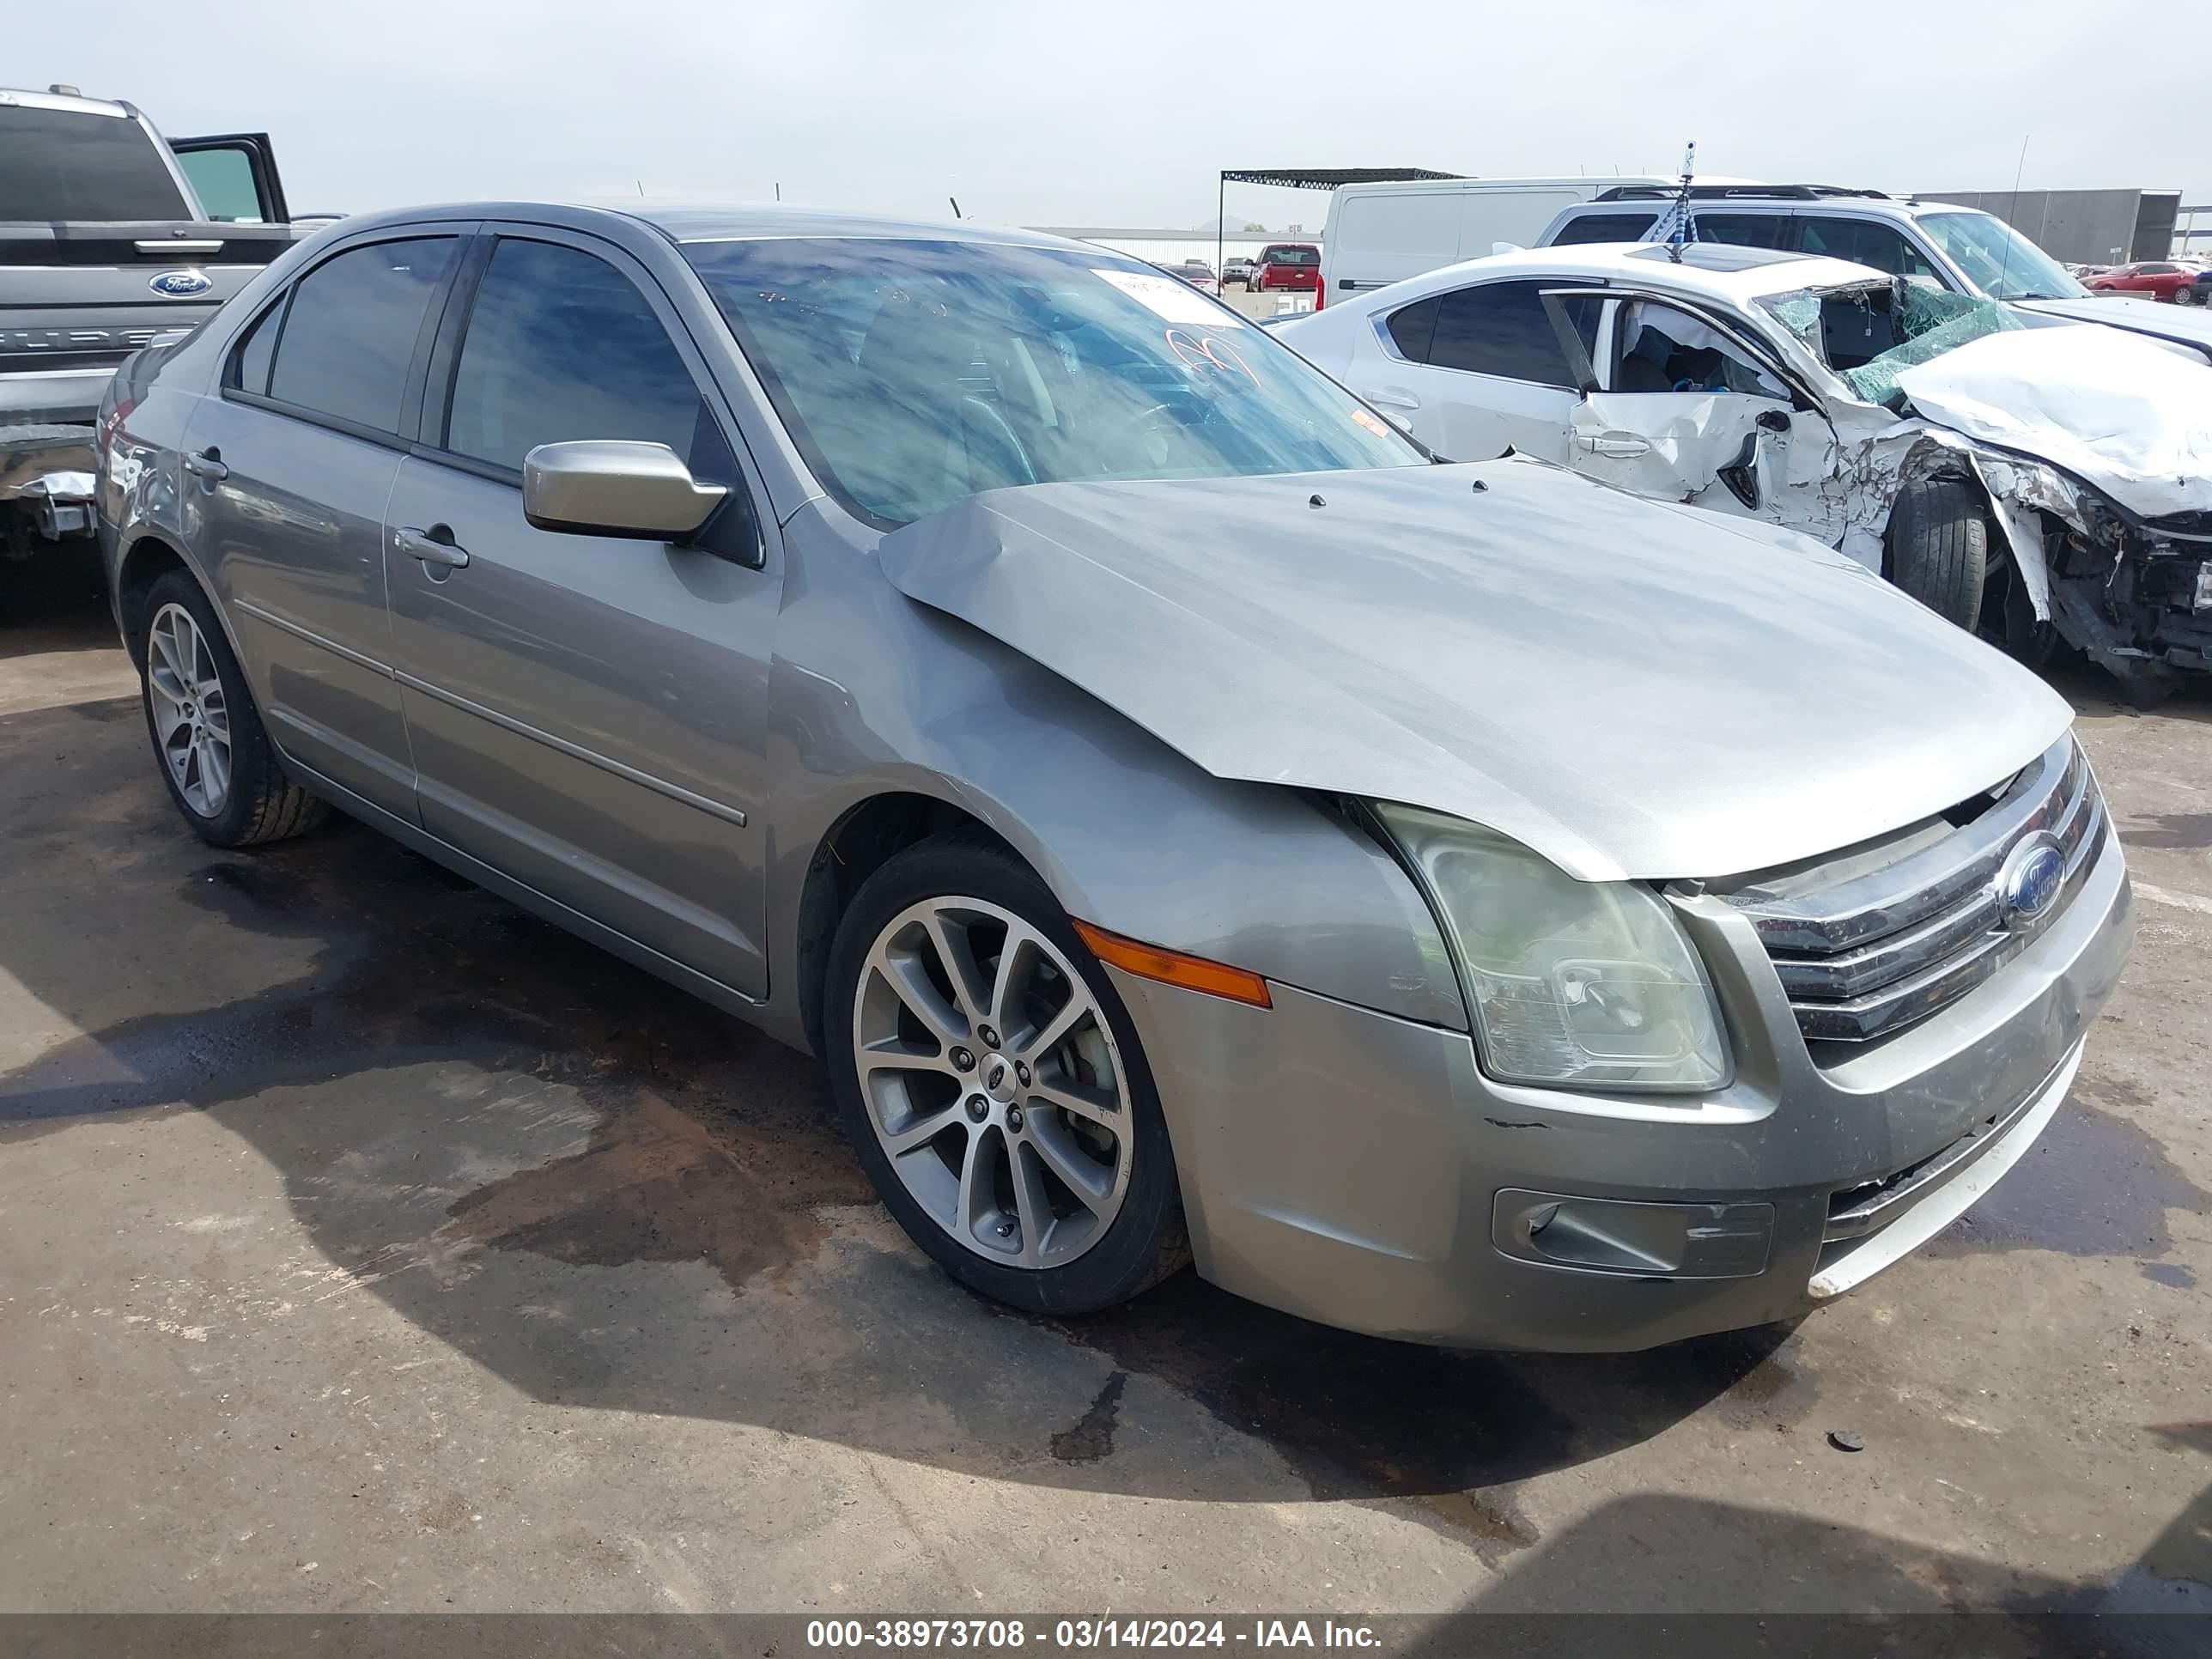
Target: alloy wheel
<point>992,1081</point>
<point>192,722</point>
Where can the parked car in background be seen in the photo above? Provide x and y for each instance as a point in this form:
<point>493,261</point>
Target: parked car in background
<point>1187,822</point>
<point>1377,234</point>
<point>2021,475</point>
<point>1287,267</point>
<point>1199,274</point>
<point>2161,279</point>
<point>2199,289</point>
<point>1237,269</point>
<point>1962,249</point>
<point>109,236</point>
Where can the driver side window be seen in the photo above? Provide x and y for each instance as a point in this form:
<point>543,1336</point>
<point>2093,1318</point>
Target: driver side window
<point>560,345</point>
<point>1656,348</point>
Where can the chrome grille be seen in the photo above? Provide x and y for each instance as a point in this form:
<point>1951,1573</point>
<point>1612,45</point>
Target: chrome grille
<point>1869,942</point>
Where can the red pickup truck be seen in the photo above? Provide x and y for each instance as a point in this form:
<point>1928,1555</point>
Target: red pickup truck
<point>1291,265</point>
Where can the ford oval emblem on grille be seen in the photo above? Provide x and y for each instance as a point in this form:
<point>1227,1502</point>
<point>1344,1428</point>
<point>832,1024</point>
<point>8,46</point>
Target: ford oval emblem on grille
<point>2028,884</point>
<point>180,284</point>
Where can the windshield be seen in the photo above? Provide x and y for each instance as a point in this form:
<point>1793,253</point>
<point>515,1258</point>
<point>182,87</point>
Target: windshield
<point>1997,259</point>
<point>1870,335</point>
<point>913,374</point>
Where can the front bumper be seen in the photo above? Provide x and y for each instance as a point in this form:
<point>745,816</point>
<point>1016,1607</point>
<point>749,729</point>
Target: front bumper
<point>1347,1166</point>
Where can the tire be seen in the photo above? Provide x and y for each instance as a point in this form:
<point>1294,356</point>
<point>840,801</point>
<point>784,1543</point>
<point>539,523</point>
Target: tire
<point>977,1227</point>
<point>1939,547</point>
<point>257,802</point>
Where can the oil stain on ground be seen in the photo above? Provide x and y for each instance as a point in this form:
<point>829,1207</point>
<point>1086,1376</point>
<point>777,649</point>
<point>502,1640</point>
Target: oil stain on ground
<point>1092,1439</point>
<point>657,1184</point>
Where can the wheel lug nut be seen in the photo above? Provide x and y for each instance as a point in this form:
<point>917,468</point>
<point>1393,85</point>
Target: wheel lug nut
<point>987,1036</point>
<point>964,1060</point>
<point>979,1108</point>
<point>1014,1119</point>
<point>1022,1074</point>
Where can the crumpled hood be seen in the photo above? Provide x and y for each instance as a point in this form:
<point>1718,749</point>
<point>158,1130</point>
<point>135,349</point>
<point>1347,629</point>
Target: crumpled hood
<point>1632,689</point>
<point>2118,410</point>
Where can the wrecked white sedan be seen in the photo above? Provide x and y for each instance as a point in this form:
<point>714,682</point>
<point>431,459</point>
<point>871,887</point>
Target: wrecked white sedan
<point>2036,481</point>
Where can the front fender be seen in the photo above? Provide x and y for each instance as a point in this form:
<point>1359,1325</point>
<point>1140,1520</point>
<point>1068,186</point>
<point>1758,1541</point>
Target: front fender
<point>1128,833</point>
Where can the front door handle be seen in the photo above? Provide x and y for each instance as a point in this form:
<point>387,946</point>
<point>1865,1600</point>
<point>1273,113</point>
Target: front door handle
<point>1391,397</point>
<point>1619,445</point>
<point>417,545</point>
<point>203,464</point>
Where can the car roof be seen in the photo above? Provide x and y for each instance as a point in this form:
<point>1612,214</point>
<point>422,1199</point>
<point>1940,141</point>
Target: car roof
<point>1851,207</point>
<point>24,98</point>
<point>731,222</point>
<point>764,221</point>
<point>1718,269</point>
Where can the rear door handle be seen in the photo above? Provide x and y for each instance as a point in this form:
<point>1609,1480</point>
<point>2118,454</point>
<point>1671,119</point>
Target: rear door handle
<point>201,464</point>
<point>418,545</point>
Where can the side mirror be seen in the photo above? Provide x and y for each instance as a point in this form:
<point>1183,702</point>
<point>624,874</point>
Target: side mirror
<point>612,487</point>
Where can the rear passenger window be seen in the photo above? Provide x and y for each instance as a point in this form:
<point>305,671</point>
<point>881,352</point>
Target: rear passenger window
<point>351,333</point>
<point>250,357</point>
<point>1863,242</point>
<point>1604,228</point>
<point>1503,329</point>
<point>1412,326</point>
<point>561,346</point>
<point>1744,229</point>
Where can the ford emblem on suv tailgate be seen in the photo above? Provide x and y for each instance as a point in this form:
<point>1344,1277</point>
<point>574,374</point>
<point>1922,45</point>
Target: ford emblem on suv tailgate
<point>180,284</point>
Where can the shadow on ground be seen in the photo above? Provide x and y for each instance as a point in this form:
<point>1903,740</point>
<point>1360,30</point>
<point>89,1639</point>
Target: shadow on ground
<point>472,1111</point>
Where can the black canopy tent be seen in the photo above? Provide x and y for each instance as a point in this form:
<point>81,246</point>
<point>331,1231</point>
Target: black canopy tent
<point>1303,179</point>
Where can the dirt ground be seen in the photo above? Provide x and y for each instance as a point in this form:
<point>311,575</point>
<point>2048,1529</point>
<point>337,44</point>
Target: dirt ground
<point>365,1244</point>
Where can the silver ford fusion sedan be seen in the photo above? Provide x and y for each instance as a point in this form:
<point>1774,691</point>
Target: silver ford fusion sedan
<point>1466,903</point>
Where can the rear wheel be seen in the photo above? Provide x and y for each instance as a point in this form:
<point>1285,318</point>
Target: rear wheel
<point>208,738</point>
<point>993,1087</point>
<point>1939,547</point>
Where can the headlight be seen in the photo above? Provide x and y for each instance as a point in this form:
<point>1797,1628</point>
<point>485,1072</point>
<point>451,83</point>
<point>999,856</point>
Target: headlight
<point>1590,984</point>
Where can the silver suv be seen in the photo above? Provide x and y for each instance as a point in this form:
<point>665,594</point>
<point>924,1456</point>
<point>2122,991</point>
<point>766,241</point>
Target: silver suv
<point>1187,822</point>
<point>1962,249</point>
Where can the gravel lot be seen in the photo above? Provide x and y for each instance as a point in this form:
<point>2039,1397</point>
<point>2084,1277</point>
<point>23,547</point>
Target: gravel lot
<point>367,1244</point>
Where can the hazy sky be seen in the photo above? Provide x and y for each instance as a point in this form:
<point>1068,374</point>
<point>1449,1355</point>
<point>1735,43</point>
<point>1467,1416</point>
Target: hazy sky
<point>1122,112</point>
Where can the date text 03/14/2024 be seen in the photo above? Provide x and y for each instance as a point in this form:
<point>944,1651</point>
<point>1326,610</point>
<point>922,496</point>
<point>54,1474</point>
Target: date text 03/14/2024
<point>996,1635</point>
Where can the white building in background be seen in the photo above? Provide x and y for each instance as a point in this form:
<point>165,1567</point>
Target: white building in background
<point>1172,247</point>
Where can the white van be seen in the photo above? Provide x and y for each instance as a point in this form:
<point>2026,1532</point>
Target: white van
<point>1380,234</point>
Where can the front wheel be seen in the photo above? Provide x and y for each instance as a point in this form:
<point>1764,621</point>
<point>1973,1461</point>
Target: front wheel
<point>1939,547</point>
<point>992,1085</point>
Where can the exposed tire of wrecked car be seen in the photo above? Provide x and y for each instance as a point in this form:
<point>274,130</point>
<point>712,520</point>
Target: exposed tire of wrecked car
<point>1939,547</point>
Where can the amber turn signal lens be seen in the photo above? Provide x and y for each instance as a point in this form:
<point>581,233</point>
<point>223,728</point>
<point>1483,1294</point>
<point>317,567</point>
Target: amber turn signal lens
<point>1216,979</point>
